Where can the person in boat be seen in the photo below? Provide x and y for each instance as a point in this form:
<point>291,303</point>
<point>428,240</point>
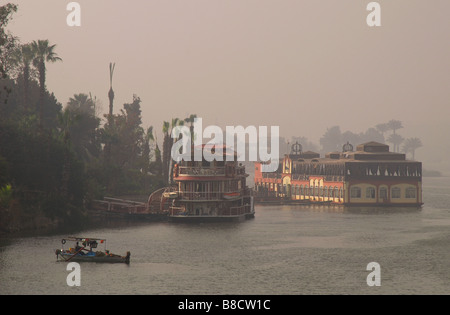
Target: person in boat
<point>78,249</point>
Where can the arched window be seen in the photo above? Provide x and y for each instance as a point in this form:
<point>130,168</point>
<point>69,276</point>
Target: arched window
<point>370,193</point>
<point>355,192</point>
<point>410,192</point>
<point>395,193</point>
<point>383,193</point>
<point>301,190</point>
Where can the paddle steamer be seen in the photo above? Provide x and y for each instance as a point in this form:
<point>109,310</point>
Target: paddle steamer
<point>209,191</point>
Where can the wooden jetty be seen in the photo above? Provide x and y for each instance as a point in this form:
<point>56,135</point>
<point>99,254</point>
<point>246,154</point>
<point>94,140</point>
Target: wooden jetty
<point>116,208</point>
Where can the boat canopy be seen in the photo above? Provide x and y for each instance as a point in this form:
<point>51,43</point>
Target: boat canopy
<point>84,239</point>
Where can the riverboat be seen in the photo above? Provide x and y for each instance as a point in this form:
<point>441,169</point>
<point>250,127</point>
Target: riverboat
<point>83,250</point>
<point>369,176</point>
<point>208,190</point>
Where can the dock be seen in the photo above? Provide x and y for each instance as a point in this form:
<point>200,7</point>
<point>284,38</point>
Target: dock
<point>116,208</point>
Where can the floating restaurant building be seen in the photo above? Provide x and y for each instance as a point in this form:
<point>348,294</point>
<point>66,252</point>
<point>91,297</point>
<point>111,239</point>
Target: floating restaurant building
<point>369,176</point>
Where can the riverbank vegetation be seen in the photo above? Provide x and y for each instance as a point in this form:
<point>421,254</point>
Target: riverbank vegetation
<point>56,158</point>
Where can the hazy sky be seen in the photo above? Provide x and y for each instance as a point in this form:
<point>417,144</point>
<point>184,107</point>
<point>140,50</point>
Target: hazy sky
<point>301,65</point>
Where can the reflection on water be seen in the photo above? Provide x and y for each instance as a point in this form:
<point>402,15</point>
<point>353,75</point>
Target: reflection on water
<point>285,250</point>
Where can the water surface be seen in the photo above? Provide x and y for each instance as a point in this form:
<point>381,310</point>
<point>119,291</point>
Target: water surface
<point>284,250</point>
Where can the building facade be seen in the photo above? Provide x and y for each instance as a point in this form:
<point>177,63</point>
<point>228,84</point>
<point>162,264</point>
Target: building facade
<point>371,176</point>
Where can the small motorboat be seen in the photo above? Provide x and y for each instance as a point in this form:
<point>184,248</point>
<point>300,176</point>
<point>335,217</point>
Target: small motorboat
<point>86,252</point>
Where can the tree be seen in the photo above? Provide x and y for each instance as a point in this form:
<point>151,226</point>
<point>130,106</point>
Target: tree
<point>82,103</point>
<point>7,45</point>
<point>23,57</point>
<point>43,53</point>
<point>6,40</point>
<point>112,66</point>
<point>127,135</point>
<point>167,147</point>
<point>382,128</point>
<point>373,134</point>
<point>332,139</point>
<point>411,145</point>
<point>394,125</point>
<point>305,143</point>
<point>396,140</point>
<point>83,127</point>
<point>148,136</point>
<point>156,165</point>
<point>190,120</point>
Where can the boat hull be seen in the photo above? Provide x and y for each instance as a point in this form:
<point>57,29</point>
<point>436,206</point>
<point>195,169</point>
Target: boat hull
<point>93,258</point>
<point>211,218</point>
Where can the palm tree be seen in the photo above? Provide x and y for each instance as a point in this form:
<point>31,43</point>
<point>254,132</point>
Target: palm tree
<point>411,145</point>
<point>82,103</point>
<point>66,120</point>
<point>23,56</point>
<point>166,150</point>
<point>394,125</point>
<point>148,136</point>
<point>167,147</point>
<point>396,140</point>
<point>156,166</point>
<point>382,128</point>
<point>43,52</point>
<point>112,66</point>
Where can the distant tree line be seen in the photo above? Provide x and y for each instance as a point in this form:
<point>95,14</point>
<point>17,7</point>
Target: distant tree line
<point>333,139</point>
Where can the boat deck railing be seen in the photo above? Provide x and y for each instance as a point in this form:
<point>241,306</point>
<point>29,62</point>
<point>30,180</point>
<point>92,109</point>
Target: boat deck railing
<point>232,211</point>
<point>210,171</point>
<point>210,195</point>
<point>202,171</point>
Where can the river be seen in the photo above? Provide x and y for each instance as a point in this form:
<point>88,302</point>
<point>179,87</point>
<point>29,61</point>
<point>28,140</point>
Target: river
<point>285,250</point>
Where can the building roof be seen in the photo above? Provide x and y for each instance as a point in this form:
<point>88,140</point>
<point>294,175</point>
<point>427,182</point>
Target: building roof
<point>372,146</point>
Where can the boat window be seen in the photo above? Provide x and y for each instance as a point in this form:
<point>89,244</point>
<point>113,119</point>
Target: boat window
<point>355,192</point>
<point>410,192</point>
<point>370,192</point>
<point>383,193</point>
<point>395,192</point>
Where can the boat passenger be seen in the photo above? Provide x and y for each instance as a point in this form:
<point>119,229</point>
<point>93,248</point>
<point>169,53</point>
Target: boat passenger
<point>78,249</point>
